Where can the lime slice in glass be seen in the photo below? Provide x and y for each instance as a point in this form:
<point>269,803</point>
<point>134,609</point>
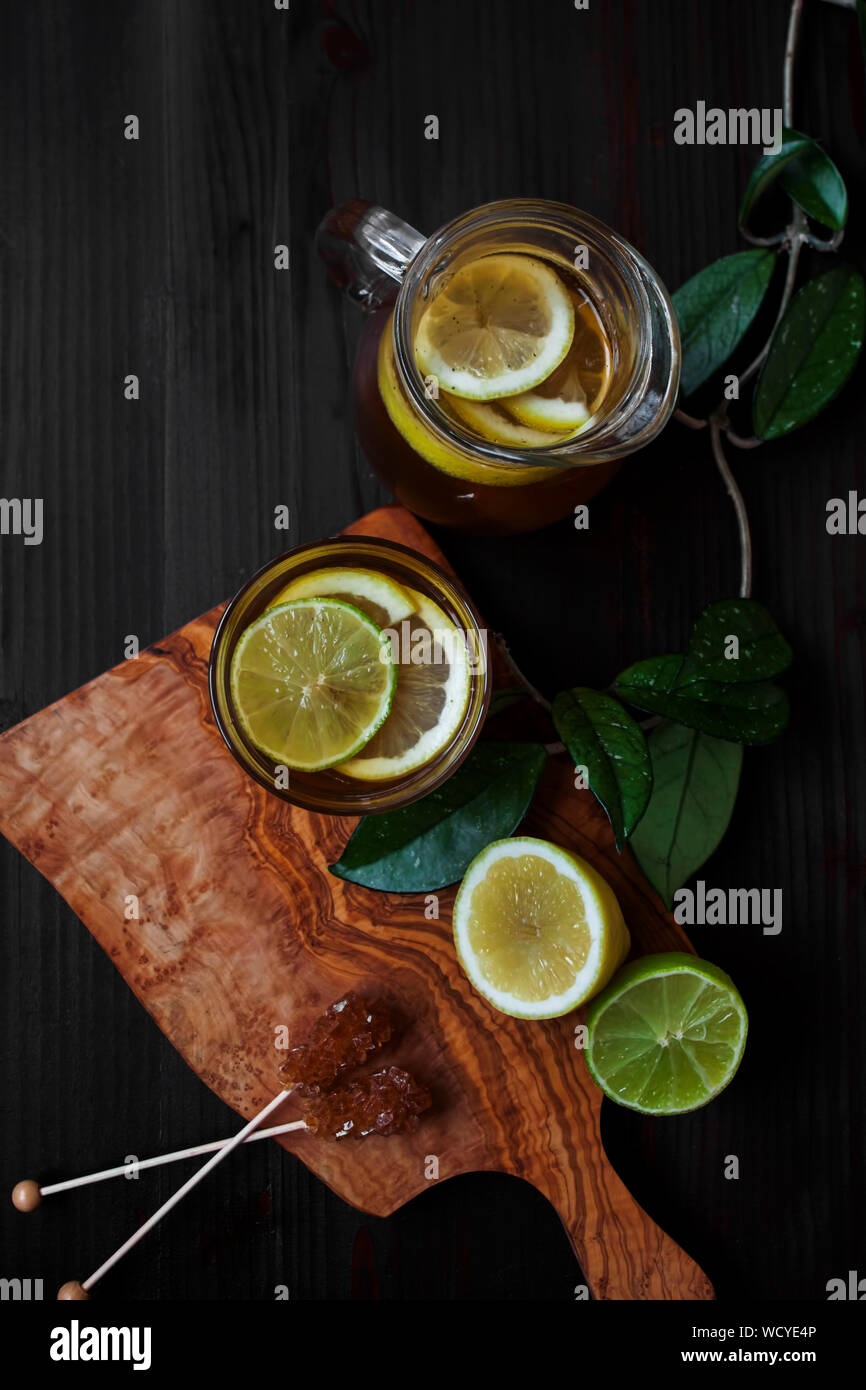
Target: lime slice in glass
<point>312,681</point>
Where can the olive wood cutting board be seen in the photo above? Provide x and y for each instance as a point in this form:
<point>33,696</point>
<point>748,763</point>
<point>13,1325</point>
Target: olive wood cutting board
<point>124,790</point>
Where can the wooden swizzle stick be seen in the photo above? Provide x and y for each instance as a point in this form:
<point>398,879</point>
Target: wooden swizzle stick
<point>384,1103</point>
<point>27,1195</point>
<point>340,1107</point>
<point>343,1038</point>
<point>74,1290</point>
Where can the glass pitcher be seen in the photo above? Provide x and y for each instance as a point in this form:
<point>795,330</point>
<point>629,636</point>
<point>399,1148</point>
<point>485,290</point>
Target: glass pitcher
<point>439,455</point>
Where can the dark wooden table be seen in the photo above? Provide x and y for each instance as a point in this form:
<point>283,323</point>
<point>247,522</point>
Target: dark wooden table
<point>155,257</point>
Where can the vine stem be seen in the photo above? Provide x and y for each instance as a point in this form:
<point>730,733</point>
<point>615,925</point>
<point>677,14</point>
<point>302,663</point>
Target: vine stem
<point>716,425</point>
<point>795,236</point>
<point>794,21</point>
<point>690,421</point>
<point>518,675</point>
<point>797,232</point>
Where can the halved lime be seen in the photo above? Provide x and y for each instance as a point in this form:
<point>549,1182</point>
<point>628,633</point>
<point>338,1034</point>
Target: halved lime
<point>500,325</point>
<point>431,697</point>
<point>537,929</point>
<point>667,1035</point>
<point>312,681</point>
<point>381,598</point>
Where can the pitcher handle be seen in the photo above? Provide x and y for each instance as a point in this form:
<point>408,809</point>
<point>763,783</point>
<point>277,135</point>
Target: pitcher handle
<point>366,249</point>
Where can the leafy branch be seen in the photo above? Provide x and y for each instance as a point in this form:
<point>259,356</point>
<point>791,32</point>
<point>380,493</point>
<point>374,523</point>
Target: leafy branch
<point>818,331</point>
<point>668,784</point>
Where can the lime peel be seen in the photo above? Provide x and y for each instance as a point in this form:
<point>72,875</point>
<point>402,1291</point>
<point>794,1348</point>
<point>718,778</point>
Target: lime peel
<point>312,680</point>
<point>669,1023</point>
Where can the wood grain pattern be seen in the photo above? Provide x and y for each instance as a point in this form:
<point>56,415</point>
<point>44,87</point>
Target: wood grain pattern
<point>157,258</point>
<point>124,790</point>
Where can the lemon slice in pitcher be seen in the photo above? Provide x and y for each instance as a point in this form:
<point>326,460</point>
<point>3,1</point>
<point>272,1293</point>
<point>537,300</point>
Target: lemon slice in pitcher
<point>382,599</point>
<point>537,929</point>
<point>499,326</point>
<point>311,682</point>
<point>435,451</point>
<point>492,423</point>
<point>572,394</point>
<point>552,414</point>
<point>430,701</point>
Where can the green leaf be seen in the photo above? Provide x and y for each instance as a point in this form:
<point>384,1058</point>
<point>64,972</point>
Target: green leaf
<point>604,739</point>
<point>504,698</point>
<point>762,651</point>
<point>676,688</point>
<point>715,309</point>
<point>770,167</point>
<point>431,843</point>
<point>812,353</point>
<point>695,780</point>
<point>815,184</point>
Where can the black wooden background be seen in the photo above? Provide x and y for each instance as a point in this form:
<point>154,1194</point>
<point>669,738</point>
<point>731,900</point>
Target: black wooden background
<point>156,257</point>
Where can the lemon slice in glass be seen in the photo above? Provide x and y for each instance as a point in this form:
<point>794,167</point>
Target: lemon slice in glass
<point>380,598</point>
<point>499,326</point>
<point>311,682</point>
<point>537,929</point>
<point>430,700</point>
<point>572,394</point>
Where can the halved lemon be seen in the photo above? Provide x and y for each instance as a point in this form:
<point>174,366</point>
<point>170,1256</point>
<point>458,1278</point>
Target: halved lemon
<point>572,394</point>
<point>537,929</point>
<point>312,681</point>
<point>430,700</point>
<point>381,598</point>
<point>500,325</point>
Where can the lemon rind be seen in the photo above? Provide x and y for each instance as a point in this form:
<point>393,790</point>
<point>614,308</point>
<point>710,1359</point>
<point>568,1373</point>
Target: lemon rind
<point>594,972</point>
<point>456,701</point>
<point>468,385</point>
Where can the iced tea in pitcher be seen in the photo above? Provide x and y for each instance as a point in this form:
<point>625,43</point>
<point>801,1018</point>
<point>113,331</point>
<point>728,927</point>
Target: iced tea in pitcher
<point>527,350</point>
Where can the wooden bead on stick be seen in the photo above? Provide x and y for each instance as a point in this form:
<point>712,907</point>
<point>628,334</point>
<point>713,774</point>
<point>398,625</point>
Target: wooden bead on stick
<point>26,1195</point>
<point>72,1290</point>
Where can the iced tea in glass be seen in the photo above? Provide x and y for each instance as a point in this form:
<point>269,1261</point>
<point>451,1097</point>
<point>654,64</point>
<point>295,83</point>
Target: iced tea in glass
<point>350,676</point>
